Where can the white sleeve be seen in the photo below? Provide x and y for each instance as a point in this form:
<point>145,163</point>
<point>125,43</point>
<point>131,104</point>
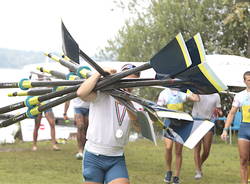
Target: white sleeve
<point>218,102</point>
<point>161,99</point>
<point>184,96</point>
<point>236,102</point>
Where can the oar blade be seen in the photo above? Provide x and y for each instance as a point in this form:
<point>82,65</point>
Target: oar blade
<point>188,134</point>
<point>69,46</point>
<point>202,80</point>
<point>196,50</point>
<point>172,59</point>
<point>146,125</point>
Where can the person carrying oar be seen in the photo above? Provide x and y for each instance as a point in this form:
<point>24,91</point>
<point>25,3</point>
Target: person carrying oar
<point>108,131</point>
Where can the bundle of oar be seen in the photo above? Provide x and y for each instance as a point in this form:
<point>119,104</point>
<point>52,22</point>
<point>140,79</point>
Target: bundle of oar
<point>179,65</point>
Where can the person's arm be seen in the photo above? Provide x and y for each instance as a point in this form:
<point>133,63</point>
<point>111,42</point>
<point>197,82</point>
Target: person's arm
<point>66,107</point>
<point>193,97</point>
<point>85,91</point>
<point>229,121</point>
<point>133,121</point>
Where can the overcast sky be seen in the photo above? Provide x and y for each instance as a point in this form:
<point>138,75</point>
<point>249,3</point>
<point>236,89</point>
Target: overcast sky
<point>35,24</point>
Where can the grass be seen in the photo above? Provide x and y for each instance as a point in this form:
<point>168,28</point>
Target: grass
<point>19,165</point>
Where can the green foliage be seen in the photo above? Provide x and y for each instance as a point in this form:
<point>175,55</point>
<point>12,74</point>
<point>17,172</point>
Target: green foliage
<point>17,59</point>
<point>153,26</point>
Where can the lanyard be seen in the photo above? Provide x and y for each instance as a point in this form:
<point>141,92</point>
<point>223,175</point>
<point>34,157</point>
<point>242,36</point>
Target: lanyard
<point>120,115</point>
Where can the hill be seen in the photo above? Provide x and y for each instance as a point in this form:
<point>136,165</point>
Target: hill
<point>17,58</point>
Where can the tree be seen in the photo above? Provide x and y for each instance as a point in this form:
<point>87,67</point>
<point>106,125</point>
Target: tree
<point>152,26</point>
<point>237,28</point>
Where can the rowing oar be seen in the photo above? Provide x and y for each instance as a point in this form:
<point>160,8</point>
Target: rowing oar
<point>199,79</point>
<point>175,52</point>
<point>194,45</point>
<point>71,50</point>
<point>33,92</point>
<point>81,71</point>
<point>60,75</point>
<point>25,84</point>
<point>177,46</point>
<point>6,116</point>
<point>31,101</point>
<point>54,73</point>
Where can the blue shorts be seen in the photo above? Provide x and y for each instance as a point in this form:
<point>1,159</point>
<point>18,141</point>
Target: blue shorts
<point>100,168</point>
<point>48,110</point>
<point>244,131</point>
<point>82,111</point>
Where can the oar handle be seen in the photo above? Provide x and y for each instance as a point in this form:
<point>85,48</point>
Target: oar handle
<point>13,120</point>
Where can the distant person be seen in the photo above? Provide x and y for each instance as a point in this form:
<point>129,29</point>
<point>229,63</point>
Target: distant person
<point>208,108</point>
<point>173,99</point>
<point>107,135</point>
<point>242,101</point>
<point>81,112</point>
<point>49,115</point>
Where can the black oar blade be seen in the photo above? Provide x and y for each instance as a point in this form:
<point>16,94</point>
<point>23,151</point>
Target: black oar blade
<point>70,47</point>
<point>172,59</point>
<point>196,50</point>
<point>202,79</point>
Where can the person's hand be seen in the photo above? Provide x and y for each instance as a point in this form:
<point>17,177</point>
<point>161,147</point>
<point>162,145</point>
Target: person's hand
<point>224,135</point>
<point>65,117</point>
<point>110,70</point>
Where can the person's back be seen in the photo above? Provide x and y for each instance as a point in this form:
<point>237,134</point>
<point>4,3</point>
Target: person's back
<point>204,108</point>
<point>207,108</point>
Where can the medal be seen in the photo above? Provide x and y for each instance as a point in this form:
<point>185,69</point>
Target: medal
<point>120,116</point>
<point>119,133</point>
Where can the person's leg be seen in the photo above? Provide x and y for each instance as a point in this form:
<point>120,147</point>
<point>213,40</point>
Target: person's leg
<point>93,171</point>
<point>168,159</point>
<point>197,156</point>
<point>244,149</point>
<point>119,181</point>
<point>51,119</point>
<point>35,132</point>
<point>117,173</point>
<point>79,119</point>
<point>178,158</point>
<point>207,142</point>
<point>168,153</point>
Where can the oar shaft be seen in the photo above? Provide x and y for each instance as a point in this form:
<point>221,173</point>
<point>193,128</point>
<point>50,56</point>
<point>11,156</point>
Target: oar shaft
<point>6,116</point>
<point>58,101</point>
<point>54,83</point>
<point>93,63</point>
<point>54,73</point>
<point>13,120</point>
<point>33,92</point>
<point>58,93</point>
<point>12,107</point>
<point>69,65</point>
<point>116,77</point>
<point>165,83</point>
<point>9,85</point>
